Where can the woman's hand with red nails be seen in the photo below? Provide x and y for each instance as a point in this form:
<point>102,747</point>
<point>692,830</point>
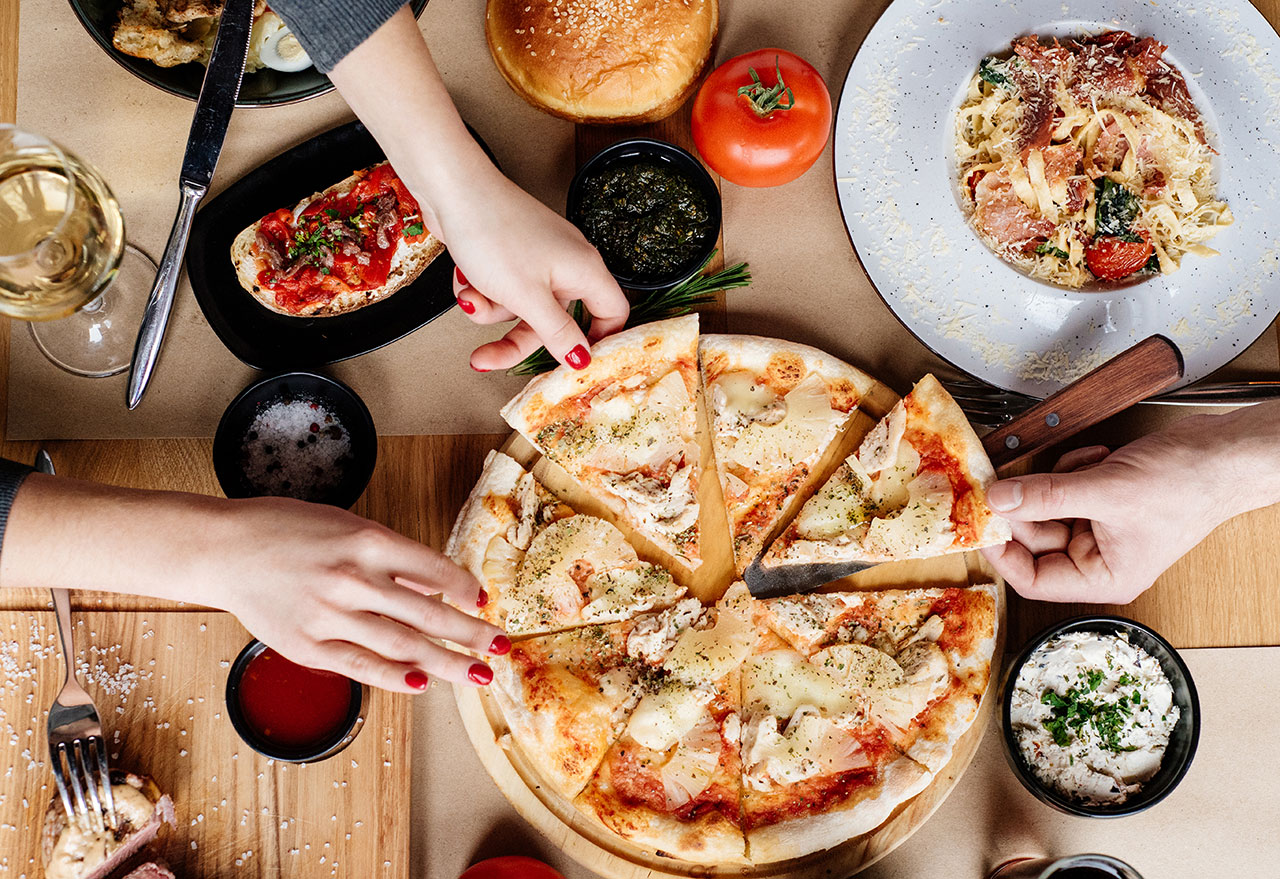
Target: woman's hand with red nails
<point>530,278</point>
<point>1104,525</point>
<point>322,586</point>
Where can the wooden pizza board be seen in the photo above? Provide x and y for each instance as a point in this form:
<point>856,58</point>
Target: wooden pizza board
<point>158,680</point>
<point>598,849</point>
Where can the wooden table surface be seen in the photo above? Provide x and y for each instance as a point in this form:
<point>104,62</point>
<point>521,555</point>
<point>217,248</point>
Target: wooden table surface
<point>1218,595</point>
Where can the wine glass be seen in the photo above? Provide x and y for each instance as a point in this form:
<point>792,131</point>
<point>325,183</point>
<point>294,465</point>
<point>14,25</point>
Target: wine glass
<point>65,266</point>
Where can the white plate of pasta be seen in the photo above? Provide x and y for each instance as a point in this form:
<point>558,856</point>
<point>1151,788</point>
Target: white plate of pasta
<point>1033,188</point>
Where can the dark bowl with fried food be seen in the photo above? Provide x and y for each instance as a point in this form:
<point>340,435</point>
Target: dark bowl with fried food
<point>262,88</point>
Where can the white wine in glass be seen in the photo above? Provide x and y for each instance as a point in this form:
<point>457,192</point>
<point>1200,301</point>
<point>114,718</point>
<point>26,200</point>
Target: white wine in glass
<point>64,263</point>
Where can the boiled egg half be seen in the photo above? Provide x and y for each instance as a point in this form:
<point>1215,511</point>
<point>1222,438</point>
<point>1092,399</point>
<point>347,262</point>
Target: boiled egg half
<point>276,45</point>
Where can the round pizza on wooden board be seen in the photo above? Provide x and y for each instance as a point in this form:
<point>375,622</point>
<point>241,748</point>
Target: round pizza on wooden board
<point>638,841</point>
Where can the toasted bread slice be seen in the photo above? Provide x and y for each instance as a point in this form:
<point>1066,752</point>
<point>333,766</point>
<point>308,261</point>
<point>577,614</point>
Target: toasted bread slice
<point>410,259</point>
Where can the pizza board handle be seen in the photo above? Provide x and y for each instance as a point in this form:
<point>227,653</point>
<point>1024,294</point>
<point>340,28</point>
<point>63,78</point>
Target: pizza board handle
<point>1147,368</point>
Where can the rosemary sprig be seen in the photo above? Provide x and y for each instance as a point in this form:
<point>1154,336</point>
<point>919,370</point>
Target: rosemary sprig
<point>658,305</point>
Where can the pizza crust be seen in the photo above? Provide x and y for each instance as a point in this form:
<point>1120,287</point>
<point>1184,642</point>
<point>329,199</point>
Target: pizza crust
<point>900,780</point>
<point>409,261</point>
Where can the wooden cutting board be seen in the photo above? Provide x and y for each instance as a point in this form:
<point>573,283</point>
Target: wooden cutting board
<point>609,855</point>
<point>158,680</point>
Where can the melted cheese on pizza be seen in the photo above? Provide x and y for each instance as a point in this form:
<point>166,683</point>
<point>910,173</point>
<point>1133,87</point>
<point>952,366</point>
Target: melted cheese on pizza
<point>765,431</point>
<point>578,569</point>
<point>810,745</point>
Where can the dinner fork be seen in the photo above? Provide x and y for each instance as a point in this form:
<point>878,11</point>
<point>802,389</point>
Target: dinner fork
<point>77,750</point>
<point>990,406</point>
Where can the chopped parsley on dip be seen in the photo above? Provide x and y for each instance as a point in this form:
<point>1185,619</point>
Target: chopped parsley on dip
<point>1092,715</point>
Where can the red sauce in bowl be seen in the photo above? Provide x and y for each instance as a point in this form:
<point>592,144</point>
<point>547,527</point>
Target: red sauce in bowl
<point>290,705</point>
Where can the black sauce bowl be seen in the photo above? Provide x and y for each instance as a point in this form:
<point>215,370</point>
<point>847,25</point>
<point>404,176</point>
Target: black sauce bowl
<point>322,749</point>
<point>264,88</point>
<point>350,410</point>
<point>1182,742</point>
<point>683,162</point>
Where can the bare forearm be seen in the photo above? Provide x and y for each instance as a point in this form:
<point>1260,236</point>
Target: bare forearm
<point>68,533</point>
<point>1244,452</point>
<point>392,84</point>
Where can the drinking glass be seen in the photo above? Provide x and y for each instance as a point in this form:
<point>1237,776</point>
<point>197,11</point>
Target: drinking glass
<point>1091,866</point>
<point>65,266</point>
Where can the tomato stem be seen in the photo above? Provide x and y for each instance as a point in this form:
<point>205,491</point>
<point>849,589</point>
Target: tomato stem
<point>765,99</point>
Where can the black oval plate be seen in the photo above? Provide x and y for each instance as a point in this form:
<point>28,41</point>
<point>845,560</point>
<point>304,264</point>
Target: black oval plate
<point>264,88</point>
<point>267,340</point>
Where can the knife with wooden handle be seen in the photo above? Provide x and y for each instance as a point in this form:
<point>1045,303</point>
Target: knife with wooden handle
<point>1145,369</point>
<point>217,99</point>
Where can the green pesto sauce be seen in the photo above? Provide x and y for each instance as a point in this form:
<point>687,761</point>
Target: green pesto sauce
<point>646,218</point>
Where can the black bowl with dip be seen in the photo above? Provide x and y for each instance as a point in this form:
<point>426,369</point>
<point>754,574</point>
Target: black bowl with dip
<point>323,712</point>
<point>321,423</point>
<point>1182,741</point>
<point>651,209</point>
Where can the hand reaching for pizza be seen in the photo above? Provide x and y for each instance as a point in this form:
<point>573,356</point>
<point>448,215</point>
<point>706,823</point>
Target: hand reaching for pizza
<point>531,277</point>
<point>322,586</point>
<point>518,259</point>
<point>1104,525</point>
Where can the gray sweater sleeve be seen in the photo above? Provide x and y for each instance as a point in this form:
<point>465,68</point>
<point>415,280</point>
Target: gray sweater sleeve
<point>329,29</point>
<point>11,476</point>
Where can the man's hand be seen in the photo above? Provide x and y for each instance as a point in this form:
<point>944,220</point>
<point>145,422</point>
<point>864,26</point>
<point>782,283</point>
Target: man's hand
<point>1104,525</point>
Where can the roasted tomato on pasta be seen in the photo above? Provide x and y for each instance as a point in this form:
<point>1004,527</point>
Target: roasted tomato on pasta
<point>1087,160</point>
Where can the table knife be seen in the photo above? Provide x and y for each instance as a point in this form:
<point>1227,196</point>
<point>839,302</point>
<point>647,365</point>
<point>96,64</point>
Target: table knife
<point>1146,369</point>
<point>217,99</point>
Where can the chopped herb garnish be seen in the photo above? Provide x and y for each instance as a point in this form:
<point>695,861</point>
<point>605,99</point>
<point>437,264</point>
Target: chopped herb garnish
<point>415,229</point>
<point>1052,251</point>
<point>1117,208</point>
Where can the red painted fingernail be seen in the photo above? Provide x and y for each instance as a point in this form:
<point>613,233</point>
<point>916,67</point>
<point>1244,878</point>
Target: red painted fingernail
<point>578,358</point>
<point>482,599</point>
<point>462,279</point>
<point>480,674</point>
<point>416,679</point>
<point>501,645</point>
<point>466,306</point>
<point>478,369</point>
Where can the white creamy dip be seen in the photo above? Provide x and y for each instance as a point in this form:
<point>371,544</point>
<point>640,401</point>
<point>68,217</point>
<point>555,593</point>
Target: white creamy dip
<point>1092,715</point>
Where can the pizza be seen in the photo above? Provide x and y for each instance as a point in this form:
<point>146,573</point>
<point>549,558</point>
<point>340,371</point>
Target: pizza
<point>748,731</point>
<point>672,781</point>
<point>775,408</point>
<point>915,488</point>
<point>565,696</point>
<point>545,567</point>
<point>343,248</point>
<point>625,428</point>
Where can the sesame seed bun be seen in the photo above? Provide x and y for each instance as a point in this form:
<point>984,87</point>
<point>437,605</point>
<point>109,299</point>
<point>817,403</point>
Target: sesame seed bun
<point>603,61</point>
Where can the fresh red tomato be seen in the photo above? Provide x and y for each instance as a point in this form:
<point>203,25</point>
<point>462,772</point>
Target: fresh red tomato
<point>510,867</point>
<point>1112,259</point>
<point>763,118</point>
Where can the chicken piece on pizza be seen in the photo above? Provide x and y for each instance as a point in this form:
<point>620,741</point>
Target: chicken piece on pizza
<point>916,488</point>
<point>567,696</point>
<point>921,658</point>
<point>625,428</point>
<point>544,567</point>
<point>775,409</point>
<point>672,782</point>
<point>818,769</point>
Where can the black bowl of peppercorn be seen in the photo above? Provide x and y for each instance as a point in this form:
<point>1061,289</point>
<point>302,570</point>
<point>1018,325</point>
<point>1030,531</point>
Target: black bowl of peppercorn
<point>301,435</point>
<point>650,208</point>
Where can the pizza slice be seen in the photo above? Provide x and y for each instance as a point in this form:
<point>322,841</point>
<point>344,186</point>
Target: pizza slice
<point>567,695</point>
<point>817,768</point>
<point>543,567</point>
<point>920,659</point>
<point>672,782</point>
<point>625,429</point>
<point>916,488</point>
<point>775,409</point>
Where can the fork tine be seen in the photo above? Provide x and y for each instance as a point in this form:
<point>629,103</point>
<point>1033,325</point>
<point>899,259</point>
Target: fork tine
<point>104,780</point>
<point>56,753</point>
<point>77,789</point>
<point>90,783</point>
